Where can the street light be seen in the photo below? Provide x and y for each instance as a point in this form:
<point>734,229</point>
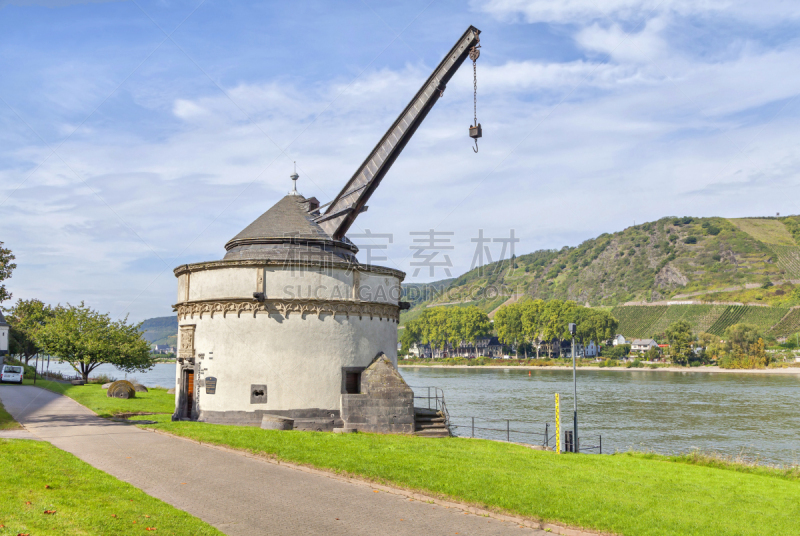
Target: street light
<point>574,392</point>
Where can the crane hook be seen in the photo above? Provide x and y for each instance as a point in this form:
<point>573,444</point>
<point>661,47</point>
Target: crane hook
<point>475,130</point>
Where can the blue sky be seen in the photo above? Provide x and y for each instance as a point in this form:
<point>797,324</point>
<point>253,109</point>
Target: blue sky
<point>137,136</point>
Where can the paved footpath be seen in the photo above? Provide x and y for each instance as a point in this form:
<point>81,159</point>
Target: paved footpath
<point>237,494</point>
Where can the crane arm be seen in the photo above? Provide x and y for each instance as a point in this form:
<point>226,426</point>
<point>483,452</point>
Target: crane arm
<point>351,201</point>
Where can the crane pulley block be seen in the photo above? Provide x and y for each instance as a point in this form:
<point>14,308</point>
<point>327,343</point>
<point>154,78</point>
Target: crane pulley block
<point>475,131</point>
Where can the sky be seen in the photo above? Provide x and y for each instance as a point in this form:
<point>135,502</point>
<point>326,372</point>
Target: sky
<point>139,136</point>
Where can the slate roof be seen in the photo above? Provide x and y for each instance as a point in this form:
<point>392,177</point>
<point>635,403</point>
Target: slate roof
<point>287,217</point>
<point>287,231</point>
<point>2,319</point>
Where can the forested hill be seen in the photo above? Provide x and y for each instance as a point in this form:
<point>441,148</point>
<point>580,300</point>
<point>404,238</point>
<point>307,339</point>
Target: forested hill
<point>665,259</point>
<point>161,330</point>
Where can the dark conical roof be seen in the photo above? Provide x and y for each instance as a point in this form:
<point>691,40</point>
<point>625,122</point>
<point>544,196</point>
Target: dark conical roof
<point>287,217</point>
<point>288,231</point>
<point>2,319</point>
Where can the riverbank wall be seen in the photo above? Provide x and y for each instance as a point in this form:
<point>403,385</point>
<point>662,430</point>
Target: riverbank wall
<point>711,370</point>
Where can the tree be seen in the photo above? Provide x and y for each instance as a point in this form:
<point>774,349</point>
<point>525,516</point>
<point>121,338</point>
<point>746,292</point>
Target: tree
<point>26,318</point>
<point>680,337</point>
<point>473,324</point>
<point>508,324</point>
<point>86,339</point>
<point>6,267</point>
<point>594,325</point>
<point>532,322</point>
<point>744,348</point>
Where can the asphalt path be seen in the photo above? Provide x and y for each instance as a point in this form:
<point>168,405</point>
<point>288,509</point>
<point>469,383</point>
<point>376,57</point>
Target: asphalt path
<point>236,493</point>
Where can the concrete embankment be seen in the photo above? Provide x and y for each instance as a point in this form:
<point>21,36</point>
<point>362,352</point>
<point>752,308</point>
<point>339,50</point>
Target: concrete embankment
<point>712,370</point>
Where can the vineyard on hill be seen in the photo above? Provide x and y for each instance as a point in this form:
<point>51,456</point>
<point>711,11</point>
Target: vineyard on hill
<point>636,320</point>
<point>640,321</point>
<point>789,324</point>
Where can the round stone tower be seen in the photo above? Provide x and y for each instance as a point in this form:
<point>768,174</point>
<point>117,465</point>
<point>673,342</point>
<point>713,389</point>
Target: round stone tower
<point>283,324</point>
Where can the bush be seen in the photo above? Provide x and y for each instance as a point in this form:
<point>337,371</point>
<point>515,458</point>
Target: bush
<point>618,352</point>
<point>690,240</point>
<point>636,363</point>
<point>102,378</point>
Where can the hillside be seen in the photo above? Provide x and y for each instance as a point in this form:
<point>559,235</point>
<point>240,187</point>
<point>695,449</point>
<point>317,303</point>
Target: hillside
<point>668,258</point>
<point>643,321</point>
<point>746,260</point>
<point>161,330</point>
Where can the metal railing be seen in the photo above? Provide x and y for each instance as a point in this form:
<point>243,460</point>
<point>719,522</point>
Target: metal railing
<point>586,448</point>
<point>516,431</point>
<point>502,429</point>
<point>432,398</point>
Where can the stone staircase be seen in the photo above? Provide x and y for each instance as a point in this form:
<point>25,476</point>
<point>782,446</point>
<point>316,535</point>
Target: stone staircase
<point>430,423</point>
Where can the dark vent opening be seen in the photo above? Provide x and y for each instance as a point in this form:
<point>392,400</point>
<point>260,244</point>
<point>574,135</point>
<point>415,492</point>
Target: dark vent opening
<point>352,383</point>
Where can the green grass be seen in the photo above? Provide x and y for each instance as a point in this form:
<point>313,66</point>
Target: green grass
<point>630,494</point>
<point>85,499</point>
<point>7,422</point>
<point>768,231</point>
<point>93,396</point>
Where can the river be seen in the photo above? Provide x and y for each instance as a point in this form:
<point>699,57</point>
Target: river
<point>665,412</point>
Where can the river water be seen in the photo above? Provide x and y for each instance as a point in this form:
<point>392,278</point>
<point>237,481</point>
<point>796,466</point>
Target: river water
<point>665,412</point>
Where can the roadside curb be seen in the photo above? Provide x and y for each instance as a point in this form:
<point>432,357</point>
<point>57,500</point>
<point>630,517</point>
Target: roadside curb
<point>412,495</point>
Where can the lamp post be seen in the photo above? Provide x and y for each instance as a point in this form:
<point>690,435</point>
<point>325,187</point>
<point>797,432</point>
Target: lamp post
<point>574,392</point>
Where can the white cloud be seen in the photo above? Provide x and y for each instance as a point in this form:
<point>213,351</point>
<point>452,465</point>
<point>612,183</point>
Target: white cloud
<point>583,11</point>
<point>625,47</point>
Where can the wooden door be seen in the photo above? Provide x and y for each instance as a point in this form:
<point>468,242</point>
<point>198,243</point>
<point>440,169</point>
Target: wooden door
<point>189,392</point>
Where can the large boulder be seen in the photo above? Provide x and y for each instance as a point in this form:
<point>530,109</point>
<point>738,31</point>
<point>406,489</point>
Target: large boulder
<point>121,389</point>
<point>276,422</point>
<point>171,391</point>
<point>107,385</point>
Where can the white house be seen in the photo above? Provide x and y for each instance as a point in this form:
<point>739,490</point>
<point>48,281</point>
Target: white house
<point>643,345</point>
<point>619,339</point>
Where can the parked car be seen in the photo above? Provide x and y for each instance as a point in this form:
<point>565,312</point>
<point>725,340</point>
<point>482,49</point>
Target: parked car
<point>11,374</point>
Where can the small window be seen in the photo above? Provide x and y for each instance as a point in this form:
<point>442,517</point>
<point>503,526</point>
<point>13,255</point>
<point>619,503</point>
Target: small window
<point>352,383</point>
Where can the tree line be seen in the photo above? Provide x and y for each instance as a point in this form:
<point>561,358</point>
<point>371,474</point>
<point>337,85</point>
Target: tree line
<point>545,323</point>
<point>443,326</point>
<point>542,324</point>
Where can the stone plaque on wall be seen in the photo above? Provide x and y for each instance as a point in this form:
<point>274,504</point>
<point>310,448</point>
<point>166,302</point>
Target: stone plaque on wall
<point>186,343</point>
<point>211,385</point>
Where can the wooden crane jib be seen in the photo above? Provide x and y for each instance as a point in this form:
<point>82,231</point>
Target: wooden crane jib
<point>351,201</point>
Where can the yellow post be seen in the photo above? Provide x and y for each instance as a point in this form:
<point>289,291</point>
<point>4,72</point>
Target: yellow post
<point>558,425</point>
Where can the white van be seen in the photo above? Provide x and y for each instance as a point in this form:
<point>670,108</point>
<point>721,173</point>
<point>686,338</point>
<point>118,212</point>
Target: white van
<point>11,374</point>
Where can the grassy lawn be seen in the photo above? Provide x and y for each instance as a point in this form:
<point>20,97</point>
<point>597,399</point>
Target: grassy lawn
<point>93,396</point>
<point>85,500</point>
<point>6,421</point>
<point>630,494</point>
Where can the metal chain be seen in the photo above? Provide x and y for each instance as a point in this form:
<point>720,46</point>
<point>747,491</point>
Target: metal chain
<point>475,89</point>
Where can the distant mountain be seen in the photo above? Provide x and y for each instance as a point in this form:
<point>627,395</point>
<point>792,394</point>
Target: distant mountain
<point>161,330</point>
<point>665,259</point>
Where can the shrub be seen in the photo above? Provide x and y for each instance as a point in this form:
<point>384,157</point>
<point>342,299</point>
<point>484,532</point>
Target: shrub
<point>690,240</point>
